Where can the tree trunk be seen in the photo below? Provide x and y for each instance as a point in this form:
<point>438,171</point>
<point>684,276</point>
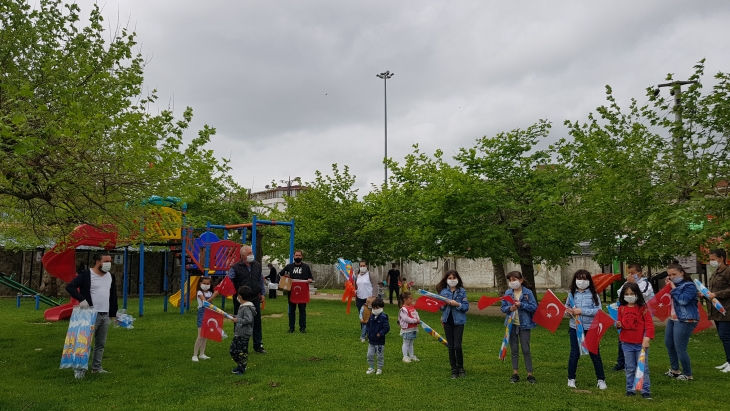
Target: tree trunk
<point>525,253</point>
<point>499,275</point>
<point>49,285</point>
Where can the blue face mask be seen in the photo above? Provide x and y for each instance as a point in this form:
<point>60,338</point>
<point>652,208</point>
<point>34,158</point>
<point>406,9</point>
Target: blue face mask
<point>677,280</point>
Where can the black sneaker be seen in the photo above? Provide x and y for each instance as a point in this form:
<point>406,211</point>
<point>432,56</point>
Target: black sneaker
<point>515,378</point>
<point>238,371</point>
<point>630,393</point>
<point>291,330</point>
<point>462,373</point>
<point>531,379</point>
<point>303,330</point>
<point>261,351</point>
<point>618,367</point>
<point>646,396</point>
<point>454,374</point>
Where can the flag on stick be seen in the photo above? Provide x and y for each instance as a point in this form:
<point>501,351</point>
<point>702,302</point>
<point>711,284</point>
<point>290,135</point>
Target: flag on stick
<point>434,334</point>
<point>640,370</point>
<point>550,312</point>
<point>485,301</point>
<point>505,340</point>
<point>579,331</point>
<point>226,287</point>
<point>601,323</point>
<point>212,307</point>
<point>701,287</point>
<point>660,305</point>
<point>212,327</point>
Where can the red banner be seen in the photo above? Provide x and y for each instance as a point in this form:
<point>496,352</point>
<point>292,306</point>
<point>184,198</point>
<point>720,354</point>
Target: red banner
<point>601,323</point>
<point>550,312</point>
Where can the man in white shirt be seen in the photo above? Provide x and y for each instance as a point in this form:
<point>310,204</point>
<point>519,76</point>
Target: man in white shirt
<point>635,275</point>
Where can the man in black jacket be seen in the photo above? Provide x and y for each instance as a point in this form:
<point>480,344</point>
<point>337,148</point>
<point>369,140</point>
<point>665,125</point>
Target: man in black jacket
<point>97,288</point>
<point>297,271</point>
<point>248,272</point>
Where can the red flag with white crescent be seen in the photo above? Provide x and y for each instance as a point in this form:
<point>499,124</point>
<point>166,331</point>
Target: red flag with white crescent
<point>660,304</point>
<point>550,312</point>
<point>429,304</point>
<point>704,322</point>
<point>212,327</point>
<point>601,323</point>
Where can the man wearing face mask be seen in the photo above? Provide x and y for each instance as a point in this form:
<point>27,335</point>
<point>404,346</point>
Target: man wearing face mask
<point>635,276</point>
<point>248,272</point>
<point>297,271</point>
<point>96,287</point>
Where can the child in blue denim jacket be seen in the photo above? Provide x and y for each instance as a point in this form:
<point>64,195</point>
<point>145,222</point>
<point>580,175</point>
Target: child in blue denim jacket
<point>525,305</point>
<point>454,318</point>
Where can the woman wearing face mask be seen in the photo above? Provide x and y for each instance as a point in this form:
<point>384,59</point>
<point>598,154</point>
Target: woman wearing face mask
<point>454,318</point>
<point>366,286</point>
<point>720,289</point>
<point>524,305</point>
<point>583,304</point>
<point>683,318</point>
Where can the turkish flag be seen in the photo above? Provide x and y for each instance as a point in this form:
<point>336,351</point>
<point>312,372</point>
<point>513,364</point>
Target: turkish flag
<point>660,304</point>
<point>299,293</point>
<point>429,304</point>
<point>601,323</point>
<point>509,299</point>
<point>704,322</point>
<point>485,301</point>
<point>226,287</point>
<point>550,312</point>
<point>212,327</point>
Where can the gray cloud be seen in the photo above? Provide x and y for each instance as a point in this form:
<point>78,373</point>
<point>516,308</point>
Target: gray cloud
<point>291,86</point>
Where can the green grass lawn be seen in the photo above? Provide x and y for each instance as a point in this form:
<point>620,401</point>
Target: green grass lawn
<point>324,369</point>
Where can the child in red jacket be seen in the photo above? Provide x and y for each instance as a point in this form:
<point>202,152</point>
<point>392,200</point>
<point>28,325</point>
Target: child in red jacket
<point>637,330</point>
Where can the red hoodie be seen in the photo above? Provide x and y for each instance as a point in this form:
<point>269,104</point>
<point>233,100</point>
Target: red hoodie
<point>636,323</point>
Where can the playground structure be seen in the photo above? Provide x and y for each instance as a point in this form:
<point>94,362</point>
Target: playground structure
<point>208,254</point>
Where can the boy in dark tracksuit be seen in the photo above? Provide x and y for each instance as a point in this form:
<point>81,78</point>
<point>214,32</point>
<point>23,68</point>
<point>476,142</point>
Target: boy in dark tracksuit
<point>243,330</point>
<point>378,326</point>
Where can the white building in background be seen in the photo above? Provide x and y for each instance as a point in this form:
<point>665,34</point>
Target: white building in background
<point>275,197</point>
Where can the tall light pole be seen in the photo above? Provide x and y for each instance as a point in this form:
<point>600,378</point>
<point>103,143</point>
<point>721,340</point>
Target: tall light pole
<point>385,76</point>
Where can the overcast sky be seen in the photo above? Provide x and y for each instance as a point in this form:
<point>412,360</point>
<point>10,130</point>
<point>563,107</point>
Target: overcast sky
<point>290,86</point>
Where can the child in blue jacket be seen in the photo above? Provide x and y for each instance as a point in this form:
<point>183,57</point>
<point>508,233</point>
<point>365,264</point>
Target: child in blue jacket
<point>454,318</point>
<point>378,326</point>
<point>525,305</point>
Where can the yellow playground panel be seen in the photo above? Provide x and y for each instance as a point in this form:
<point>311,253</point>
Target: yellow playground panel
<point>165,222</point>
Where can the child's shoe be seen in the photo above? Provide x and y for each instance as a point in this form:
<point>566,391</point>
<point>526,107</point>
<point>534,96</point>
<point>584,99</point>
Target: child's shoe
<point>370,371</point>
<point>406,359</point>
<point>362,339</point>
<point>195,358</point>
<point>380,371</point>
<point>203,357</point>
<point>646,395</point>
<point>462,372</point>
<point>414,358</point>
<point>630,393</point>
<point>601,385</point>
<point>571,383</point>
<point>531,379</point>
<point>514,378</point>
<point>238,371</point>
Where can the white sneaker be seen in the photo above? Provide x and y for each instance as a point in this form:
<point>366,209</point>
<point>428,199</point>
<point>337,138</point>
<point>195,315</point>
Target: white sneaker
<point>414,358</point>
<point>380,371</point>
<point>370,371</point>
<point>726,369</point>
<point>406,359</point>
<point>195,358</point>
<point>362,340</point>
<point>602,385</point>
<point>722,367</point>
<point>571,383</point>
<point>203,357</point>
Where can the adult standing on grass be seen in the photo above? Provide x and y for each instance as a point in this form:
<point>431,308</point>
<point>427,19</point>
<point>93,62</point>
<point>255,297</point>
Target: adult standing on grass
<point>635,276</point>
<point>248,272</point>
<point>297,271</point>
<point>366,286</point>
<point>97,287</point>
<point>393,280</point>
<point>683,319</point>
<point>720,289</point>
<point>273,279</point>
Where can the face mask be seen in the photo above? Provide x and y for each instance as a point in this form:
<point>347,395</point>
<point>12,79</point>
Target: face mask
<point>630,299</point>
<point>363,269</point>
<point>635,277</point>
<point>249,258</point>
<point>514,285</point>
<point>205,287</point>
<point>452,283</point>
<point>678,279</point>
<point>582,284</point>
<point>377,311</point>
<point>105,267</point>
<point>714,263</point>
<point>298,260</point>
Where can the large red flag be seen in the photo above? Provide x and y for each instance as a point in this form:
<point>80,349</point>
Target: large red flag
<point>550,312</point>
<point>226,287</point>
<point>601,323</point>
<point>660,304</point>
<point>299,292</point>
<point>429,304</point>
<point>485,301</point>
<point>212,327</point>
<point>704,322</point>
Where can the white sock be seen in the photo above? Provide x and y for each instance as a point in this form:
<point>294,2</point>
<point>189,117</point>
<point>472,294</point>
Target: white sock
<point>410,347</point>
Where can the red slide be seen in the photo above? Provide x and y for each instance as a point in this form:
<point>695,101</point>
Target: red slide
<point>60,261</point>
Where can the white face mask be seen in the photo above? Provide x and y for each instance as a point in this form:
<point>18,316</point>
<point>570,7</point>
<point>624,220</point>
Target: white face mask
<point>678,279</point>
<point>630,299</point>
<point>205,287</point>
<point>452,283</point>
<point>714,263</point>
<point>514,285</point>
<point>363,269</point>
<point>249,258</point>
<point>582,284</point>
<point>377,311</point>
<point>106,267</point>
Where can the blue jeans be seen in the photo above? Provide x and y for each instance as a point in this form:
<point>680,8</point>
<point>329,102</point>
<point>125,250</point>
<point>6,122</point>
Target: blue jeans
<point>363,331</point>
<point>676,338</point>
<point>631,354</point>
<point>575,356</point>
<point>723,331</point>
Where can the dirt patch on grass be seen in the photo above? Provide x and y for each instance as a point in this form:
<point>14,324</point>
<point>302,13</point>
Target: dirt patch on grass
<point>272,316</point>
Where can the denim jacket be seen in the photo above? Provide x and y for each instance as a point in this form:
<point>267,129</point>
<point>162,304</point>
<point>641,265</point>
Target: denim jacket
<point>588,307</point>
<point>528,305</point>
<point>684,299</point>
<point>459,313</point>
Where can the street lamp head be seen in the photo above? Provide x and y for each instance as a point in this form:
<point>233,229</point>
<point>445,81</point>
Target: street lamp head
<point>386,75</point>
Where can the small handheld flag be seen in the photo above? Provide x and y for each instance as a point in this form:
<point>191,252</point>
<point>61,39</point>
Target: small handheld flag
<point>505,339</point>
<point>701,287</point>
<point>434,334</point>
